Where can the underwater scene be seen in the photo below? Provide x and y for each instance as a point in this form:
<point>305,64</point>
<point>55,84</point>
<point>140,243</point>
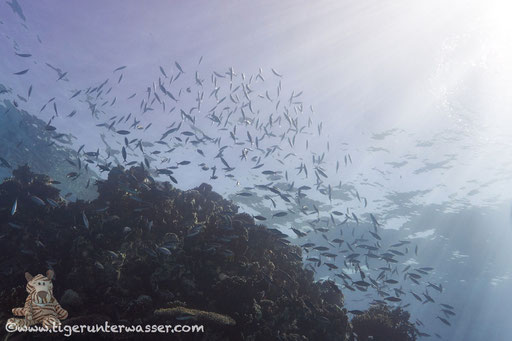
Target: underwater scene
<point>255,170</point>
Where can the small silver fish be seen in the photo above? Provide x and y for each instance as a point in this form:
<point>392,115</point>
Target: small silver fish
<point>164,251</point>
<point>14,207</point>
<point>37,200</point>
<point>195,231</point>
<point>52,203</point>
<point>15,226</point>
<point>86,221</point>
<point>112,253</point>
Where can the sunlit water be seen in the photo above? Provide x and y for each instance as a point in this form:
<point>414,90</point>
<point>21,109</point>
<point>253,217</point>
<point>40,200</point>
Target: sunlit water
<point>416,93</point>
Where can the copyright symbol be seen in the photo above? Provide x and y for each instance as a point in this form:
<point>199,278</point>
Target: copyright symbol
<point>10,326</point>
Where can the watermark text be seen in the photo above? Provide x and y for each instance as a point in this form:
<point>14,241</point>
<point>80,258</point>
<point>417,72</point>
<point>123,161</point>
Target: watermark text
<point>69,330</point>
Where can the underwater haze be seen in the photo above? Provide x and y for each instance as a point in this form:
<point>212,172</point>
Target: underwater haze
<point>374,134</point>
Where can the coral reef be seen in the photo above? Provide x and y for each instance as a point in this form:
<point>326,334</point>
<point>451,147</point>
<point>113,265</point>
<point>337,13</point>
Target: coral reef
<point>383,324</point>
<point>145,252</point>
<point>182,313</point>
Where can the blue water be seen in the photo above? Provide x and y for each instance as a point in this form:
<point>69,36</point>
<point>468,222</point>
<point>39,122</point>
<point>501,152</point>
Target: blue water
<point>403,103</point>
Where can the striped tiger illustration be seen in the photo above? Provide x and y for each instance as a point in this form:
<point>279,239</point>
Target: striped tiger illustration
<point>40,306</point>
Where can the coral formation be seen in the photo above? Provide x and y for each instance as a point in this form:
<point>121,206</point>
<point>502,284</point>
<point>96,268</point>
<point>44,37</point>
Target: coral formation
<point>145,252</point>
<point>382,324</point>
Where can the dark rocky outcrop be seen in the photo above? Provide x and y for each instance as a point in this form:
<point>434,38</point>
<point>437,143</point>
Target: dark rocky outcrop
<point>145,252</point>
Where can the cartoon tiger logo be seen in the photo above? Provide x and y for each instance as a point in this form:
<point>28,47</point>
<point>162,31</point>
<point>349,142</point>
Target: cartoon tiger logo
<point>40,306</point>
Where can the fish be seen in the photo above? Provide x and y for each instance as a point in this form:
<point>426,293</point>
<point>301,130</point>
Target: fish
<point>298,233</point>
<point>375,235</point>
<point>15,226</point>
<point>445,321</point>
<point>244,194</point>
<point>355,218</point>
<point>362,283</point>
<point>448,312</point>
<point>416,297</point>
<point>37,200</point>
<point>374,221</point>
<point>331,266</point>
<point>76,94</point>
<point>321,172</point>
<point>163,72</point>
<point>85,220</point>
<point>233,106</point>
<point>447,306</point>
<point>436,287</point>
<point>22,72</point>
<point>391,281</point>
<point>179,67</point>
<point>14,207</point>
<point>393,299</point>
<point>428,297</point>
<point>276,73</point>
<point>62,76</point>
<point>164,251</point>
<point>194,231</point>
<point>23,55</point>
<point>52,203</point>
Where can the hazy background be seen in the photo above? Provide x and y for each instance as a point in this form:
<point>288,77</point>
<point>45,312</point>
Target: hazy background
<point>419,92</point>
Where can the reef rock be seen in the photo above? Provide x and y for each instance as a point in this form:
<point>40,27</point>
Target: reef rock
<point>146,252</point>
